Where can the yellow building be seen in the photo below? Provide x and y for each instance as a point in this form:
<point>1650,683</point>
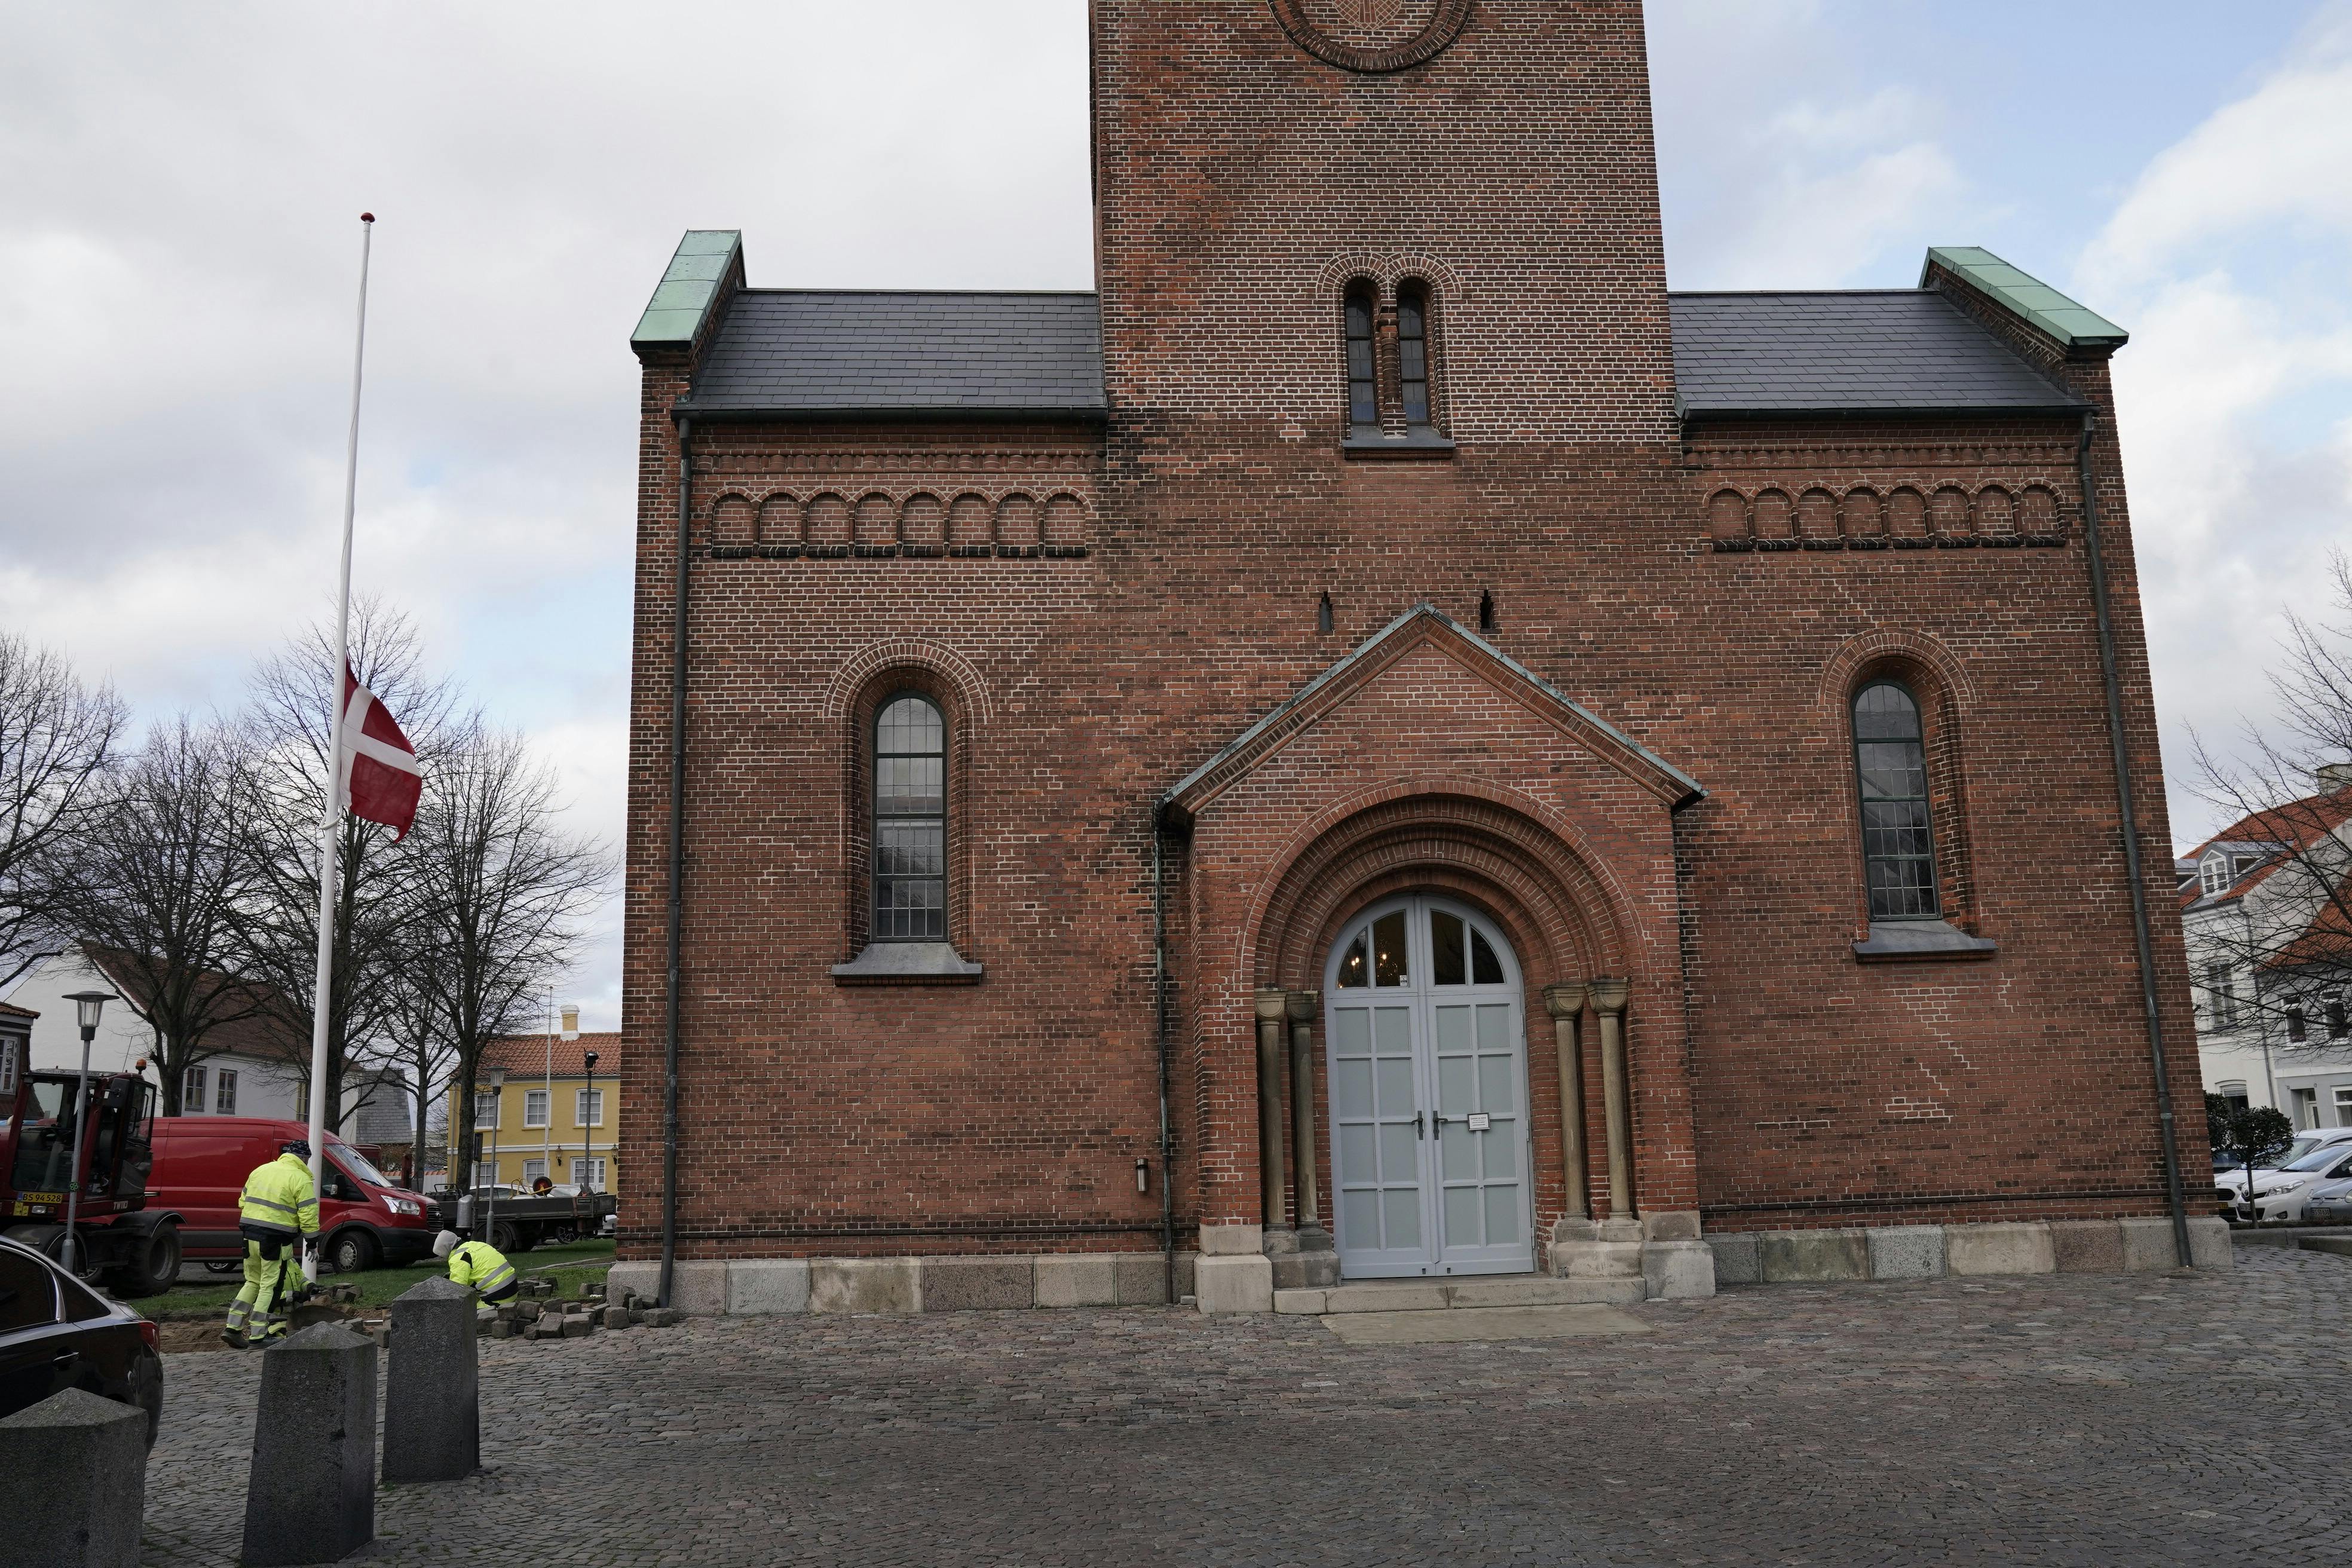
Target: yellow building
<point>557,1115</point>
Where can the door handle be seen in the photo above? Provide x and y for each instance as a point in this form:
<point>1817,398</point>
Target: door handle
<point>66,1359</point>
<point>1418,1131</point>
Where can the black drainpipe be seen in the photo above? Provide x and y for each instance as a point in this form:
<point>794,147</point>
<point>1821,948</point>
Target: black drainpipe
<point>1159,1013</point>
<point>677,857</point>
<point>2131,844</point>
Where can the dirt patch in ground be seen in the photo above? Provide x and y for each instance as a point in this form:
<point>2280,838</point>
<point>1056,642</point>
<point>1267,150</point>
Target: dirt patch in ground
<point>181,1338</point>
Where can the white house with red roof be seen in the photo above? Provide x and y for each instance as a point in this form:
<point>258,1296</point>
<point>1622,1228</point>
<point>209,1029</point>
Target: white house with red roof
<point>257,1070</point>
<point>2266,907</point>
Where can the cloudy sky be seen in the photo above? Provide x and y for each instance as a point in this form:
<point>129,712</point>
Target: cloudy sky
<point>179,186</point>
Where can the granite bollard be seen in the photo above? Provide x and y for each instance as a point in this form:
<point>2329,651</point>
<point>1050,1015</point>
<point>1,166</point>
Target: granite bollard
<point>432,1389</point>
<point>311,1498</point>
<point>73,1480</point>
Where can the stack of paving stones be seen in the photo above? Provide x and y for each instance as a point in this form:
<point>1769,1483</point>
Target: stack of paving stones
<point>535,1314</point>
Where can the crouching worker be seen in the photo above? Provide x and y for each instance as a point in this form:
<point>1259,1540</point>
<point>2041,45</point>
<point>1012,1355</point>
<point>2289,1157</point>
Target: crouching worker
<point>478,1264</point>
<point>279,1211</point>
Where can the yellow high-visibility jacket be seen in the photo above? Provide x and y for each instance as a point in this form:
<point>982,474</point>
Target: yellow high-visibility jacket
<point>278,1197</point>
<point>480,1265</point>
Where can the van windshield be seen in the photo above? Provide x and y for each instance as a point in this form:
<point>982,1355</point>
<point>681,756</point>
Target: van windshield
<point>353,1160</point>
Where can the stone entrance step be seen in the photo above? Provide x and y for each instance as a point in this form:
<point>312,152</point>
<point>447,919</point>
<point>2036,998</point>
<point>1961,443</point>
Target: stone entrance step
<point>1435,1295</point>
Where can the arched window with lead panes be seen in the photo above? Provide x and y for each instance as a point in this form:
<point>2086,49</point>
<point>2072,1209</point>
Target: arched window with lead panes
<point>1898,839</point>
<point>1412,352</point>
<point>911,821</point>
<point>1363,388</point>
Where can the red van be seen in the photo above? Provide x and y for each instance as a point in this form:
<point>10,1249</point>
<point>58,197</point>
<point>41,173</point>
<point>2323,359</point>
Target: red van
<point>201,1164</point>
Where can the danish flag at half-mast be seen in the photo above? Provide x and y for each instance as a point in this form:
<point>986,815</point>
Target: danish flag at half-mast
<point>377,776</point>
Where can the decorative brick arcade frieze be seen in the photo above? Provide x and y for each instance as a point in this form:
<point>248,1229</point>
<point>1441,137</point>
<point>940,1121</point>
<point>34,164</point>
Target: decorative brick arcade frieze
<point>879,504</point>
<point>1766,496</point>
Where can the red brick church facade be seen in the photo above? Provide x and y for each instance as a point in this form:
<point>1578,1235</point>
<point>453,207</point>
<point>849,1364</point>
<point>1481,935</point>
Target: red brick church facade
<point>1385,681</point>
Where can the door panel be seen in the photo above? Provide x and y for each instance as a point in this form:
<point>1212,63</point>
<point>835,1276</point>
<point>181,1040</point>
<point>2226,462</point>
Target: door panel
<point>1428,1075</point>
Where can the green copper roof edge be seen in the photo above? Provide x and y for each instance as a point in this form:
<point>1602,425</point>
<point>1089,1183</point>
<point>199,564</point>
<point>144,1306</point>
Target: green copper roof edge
<point>2071,324</point>
<point>689,286</point>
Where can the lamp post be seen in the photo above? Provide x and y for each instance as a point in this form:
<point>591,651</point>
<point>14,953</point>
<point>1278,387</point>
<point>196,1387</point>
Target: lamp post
<point>88,1006</point>
<point>497,1114</point>
<point>588,1131</point>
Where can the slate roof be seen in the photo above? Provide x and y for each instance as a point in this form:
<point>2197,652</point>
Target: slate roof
<point>1894,350</point>
<point>865,353</point>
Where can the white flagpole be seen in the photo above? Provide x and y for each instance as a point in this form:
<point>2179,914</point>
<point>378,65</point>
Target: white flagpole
<point>331,821</point>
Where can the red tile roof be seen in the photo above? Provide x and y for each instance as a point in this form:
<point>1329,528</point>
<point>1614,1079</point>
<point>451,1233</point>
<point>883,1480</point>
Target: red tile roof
<point>526,1056</point>
<point>263,1032</point>
<point>2299,824</point>
<point>9,1009</point>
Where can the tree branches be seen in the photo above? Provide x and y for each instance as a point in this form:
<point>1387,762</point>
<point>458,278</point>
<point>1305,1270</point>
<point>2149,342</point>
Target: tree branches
<point>57,739</point>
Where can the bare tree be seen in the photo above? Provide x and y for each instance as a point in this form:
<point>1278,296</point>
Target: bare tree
<point>58,738</point>
<point>287,731</point>
<point>2270,929</point>
<point>419,1042</point>
<point>161,875</point>
<point>502,890</point>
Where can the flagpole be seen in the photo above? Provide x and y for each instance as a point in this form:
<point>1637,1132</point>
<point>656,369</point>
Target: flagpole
<point>330,820</point>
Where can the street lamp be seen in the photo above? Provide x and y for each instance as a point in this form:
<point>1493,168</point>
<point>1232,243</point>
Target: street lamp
<point>588,1132</point>
<point>88,1006</point>
<point>497,1114</point>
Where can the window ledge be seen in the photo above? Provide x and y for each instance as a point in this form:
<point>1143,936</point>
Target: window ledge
<point>1901,942</point>
<point>907,964</point>
<point>1419,444</point>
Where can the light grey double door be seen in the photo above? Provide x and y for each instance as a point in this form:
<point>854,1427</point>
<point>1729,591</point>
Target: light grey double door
<point>1425,1047</point>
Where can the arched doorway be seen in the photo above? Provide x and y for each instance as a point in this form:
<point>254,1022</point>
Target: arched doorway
<point>1425,1052</point>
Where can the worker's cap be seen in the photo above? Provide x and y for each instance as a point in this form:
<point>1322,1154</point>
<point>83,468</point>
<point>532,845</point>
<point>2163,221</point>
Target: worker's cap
<point>445,1243</point>
<point>299,1147</point>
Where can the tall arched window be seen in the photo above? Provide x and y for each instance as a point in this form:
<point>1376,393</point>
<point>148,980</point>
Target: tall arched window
<point>911,821</point>
<point>1412,352</point>
<point>1363,394</point>
<point>1898,844</point>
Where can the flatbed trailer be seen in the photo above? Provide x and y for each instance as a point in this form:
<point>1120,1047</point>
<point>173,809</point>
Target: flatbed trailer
<point>515,1225</point>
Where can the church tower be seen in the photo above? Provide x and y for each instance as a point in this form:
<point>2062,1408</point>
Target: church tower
<point>1482,177</point>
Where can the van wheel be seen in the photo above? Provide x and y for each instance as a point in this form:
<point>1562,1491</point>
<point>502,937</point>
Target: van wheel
<point>223,1265</point>
<point>352,1253</point>
<point>153,1267</point>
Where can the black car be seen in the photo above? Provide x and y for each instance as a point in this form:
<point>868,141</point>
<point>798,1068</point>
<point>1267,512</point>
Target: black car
<point>57,1333</point>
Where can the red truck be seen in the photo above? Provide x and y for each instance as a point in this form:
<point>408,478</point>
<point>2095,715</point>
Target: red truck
<point>201,1164</point>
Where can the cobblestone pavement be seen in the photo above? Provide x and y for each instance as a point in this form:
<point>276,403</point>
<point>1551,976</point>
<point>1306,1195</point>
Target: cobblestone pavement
<point>2069,1419</point>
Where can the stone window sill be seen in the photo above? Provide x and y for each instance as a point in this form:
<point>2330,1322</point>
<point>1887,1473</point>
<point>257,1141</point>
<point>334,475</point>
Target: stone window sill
<point>907,964</point>
<point>1419,444</point>
<point>1919,942</point>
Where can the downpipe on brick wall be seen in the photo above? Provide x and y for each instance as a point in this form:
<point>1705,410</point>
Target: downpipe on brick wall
<point>2165,1122</point>
<point>1160,1020</point>
<point>676,858</point>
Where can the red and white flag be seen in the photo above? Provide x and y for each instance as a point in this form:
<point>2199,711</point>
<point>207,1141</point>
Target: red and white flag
<point>377,773</point>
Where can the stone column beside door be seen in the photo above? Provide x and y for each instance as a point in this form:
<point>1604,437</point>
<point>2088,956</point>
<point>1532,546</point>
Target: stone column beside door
<point>1273,1008</point>
<point>1565,1003</point>
<point>1315,1264</point>
<point>1609,997</point>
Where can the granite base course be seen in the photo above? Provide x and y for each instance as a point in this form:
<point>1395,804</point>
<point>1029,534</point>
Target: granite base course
<point>1933,1252</point>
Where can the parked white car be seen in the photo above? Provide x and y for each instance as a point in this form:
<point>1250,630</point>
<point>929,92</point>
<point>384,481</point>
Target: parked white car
<point>2230,1185</point>
<point>2279,1194</point>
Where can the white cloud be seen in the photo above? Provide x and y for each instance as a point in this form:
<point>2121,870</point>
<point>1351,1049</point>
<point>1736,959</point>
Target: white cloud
<point>179,188</point>
<point>2275,162</point>
<point>2225,259</point>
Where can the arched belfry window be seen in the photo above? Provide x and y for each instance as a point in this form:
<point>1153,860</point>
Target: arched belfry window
<point>1412,352</point>
<point>1898,844</point>
<point>1363,389</point>
<point>911,821</point>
